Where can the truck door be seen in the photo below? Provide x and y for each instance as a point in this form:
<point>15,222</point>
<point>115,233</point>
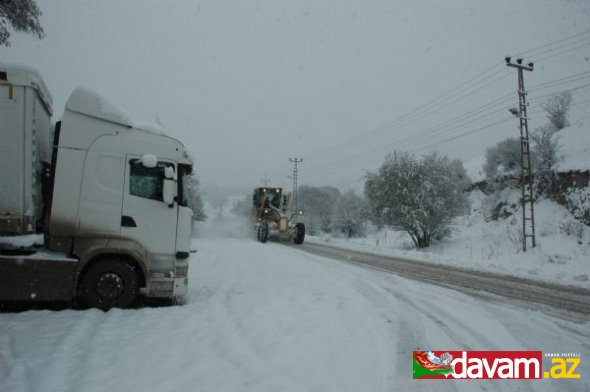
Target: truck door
<point>145,217</point>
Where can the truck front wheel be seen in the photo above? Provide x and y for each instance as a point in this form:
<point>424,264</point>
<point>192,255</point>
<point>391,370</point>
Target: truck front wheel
<point>109,283</point>
<point>263,233</point>
<point>299,234</point>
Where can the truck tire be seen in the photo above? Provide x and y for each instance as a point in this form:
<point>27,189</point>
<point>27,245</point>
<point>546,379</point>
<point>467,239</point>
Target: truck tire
<point>263,233</point>
<point>109,283</point>
<point>299,234</point>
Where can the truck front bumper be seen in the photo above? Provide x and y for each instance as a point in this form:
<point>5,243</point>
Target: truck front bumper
<point>166,287</point>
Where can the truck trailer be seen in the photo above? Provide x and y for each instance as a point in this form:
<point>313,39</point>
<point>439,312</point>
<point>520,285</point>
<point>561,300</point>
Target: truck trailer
<point>105,193</point>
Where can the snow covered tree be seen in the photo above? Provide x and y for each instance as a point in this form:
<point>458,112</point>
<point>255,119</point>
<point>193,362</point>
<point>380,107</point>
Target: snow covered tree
<point>350,214</point>
<point>22,16</point>
<point>194,200</point>
<point>419,197</point>
<point>317,204</point>
<point>503,158</point>
<point>557,108</point>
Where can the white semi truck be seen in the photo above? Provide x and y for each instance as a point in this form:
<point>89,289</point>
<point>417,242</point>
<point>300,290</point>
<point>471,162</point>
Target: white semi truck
<point>107,193</point>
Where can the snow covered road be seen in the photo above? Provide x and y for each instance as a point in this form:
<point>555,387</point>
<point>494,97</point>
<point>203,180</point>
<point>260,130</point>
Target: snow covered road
<point>265,317</point>
<point>561,300</point>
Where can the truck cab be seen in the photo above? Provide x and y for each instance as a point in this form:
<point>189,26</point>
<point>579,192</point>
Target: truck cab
<point>118,194</point>
<point>116,223</point>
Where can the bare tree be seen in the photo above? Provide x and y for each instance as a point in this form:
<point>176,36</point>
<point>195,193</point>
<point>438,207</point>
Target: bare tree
<point>242,207</point>
<point>503,158</point>
<point>317,204</point>
<point>545,156</point>
<point>349,214</point>
<point>557,108</point>
<point>22,16</point>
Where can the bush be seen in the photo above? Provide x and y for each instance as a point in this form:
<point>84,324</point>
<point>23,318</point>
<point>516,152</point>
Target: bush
<point>503,158</point>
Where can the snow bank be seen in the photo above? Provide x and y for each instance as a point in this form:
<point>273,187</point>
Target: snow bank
<point>561,256</point>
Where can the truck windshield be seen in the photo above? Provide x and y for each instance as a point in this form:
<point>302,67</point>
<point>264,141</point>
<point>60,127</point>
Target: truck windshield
<point>266,197</point>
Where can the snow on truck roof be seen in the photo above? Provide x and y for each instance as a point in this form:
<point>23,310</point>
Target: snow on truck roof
<point>23,75</point>
<point>92,103</point>
<point>87,101</point>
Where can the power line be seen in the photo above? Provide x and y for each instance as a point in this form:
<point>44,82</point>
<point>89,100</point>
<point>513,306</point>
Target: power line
<point>434,103</point>
<point>407,117</point>
<point>353,163</point>
<point>530,52</point>
<point>462,91</point>
<point>496,106</point>
<point>544,49</point>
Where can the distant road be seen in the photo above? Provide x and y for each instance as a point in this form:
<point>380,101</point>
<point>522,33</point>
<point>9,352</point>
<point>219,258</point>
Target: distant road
<point>564,301</point>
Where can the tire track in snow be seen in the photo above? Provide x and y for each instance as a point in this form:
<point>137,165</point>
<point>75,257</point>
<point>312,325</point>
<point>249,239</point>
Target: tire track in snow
<point>406,303</point>
<point>400,317</point>
<point>564,301</point>
<point>14,372</point>
<point>369,300</point>
<point>511,326</point>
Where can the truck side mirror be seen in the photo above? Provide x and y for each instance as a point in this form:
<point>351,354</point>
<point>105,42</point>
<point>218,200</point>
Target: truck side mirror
<point>168,191</point>
<point>169,173</point>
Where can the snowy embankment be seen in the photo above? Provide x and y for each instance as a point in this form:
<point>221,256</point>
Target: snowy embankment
<point>265,317</point>
<point>561,256</point>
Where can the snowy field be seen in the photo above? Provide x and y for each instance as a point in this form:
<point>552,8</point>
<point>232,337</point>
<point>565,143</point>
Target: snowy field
<point>560,256</point>
<point>265,317</point>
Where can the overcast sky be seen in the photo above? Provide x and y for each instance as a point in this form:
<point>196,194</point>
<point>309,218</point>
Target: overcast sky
<point>248,84</point>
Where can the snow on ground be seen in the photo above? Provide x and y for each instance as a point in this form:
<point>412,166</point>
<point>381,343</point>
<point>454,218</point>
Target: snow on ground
<point>496,245</point>
<point>265,317</point>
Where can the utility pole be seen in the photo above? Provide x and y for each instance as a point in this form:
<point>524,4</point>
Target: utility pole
<point>526,175</point>
<point>294,208</point>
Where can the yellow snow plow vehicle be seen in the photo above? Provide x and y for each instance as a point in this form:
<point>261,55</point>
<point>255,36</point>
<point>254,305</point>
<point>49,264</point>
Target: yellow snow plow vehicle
<point>274,218</point>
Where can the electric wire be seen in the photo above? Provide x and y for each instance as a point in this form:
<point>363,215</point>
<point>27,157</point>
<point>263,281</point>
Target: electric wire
<point>433,104</point>
<point>455,124</point>
<point>455,94</point>
<point>362,163</point>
